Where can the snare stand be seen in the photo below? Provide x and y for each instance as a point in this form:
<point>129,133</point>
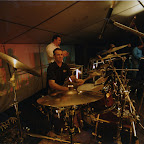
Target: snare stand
<point>71,123</point>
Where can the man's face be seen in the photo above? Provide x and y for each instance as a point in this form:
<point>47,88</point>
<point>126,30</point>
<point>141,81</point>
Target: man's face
<point>58,41</point>
<point>58,56</point>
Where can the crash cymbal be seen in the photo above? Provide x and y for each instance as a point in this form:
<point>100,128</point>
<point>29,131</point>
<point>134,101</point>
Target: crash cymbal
<point>114,49</point>
<point>17,64</point>
<point>113,55</point>
<point>70,98</point>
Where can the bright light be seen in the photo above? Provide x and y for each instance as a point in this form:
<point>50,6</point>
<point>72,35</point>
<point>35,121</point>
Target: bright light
<point>70,79</point>
<point>135,10</point>
<point>15,61</point>
<point>77,72</point>
<point>128,8</point>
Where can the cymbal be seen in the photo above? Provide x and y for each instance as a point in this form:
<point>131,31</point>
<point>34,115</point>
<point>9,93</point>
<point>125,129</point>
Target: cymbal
<point>113,55</point>
<point>101,80</point>
<point>70,98</point>
<point>90,87</point>
<point>17,64</point>
<point>93,73</point>
<point>114,49</point>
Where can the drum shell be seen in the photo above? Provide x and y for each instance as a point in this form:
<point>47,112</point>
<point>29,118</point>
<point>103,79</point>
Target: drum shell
<point>102,105</point>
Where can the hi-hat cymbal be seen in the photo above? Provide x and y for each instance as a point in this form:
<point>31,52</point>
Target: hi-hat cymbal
<point>114,49</point>
<point>17,64</point>
<point>113,55</point>
<point>70,98</point>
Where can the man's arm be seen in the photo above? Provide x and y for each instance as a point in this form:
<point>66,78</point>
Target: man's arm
<point>56,86</point>
<point>49,51</point>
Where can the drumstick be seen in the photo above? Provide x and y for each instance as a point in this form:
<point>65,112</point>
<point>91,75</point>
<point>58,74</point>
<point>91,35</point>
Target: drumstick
<point>89,77</point>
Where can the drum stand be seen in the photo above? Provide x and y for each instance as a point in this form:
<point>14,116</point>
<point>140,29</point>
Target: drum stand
<point>71,130</point>
<point>72,112</point>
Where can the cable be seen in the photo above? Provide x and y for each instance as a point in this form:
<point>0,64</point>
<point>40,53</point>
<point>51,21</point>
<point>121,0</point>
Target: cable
<point>141,3</point>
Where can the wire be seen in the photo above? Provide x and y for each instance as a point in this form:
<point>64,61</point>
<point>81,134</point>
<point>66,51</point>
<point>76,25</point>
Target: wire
<point>141,3</point>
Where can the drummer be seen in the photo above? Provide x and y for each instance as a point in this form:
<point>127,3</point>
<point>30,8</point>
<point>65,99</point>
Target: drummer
<point>58,72</point>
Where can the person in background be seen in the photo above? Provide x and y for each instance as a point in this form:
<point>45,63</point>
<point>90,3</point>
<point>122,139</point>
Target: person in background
<point>56,41</point>
<point>138,63</point>
<point>137,55</point>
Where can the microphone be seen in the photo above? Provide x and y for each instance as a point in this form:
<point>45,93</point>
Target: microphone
<point>107,19</point>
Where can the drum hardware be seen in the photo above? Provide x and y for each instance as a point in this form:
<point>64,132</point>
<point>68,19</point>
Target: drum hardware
<point>15,104</point>
<point>70,99</point>
<point>123,103</point>
<point>115,49</point>
<point>113,56</point>
<point>48,138</point>
<point>125,69</point>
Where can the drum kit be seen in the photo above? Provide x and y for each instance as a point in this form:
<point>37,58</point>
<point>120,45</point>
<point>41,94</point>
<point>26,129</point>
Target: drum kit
<point>110,91</point>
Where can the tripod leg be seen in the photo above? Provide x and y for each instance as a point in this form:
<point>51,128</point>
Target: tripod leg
<point>96,126</point>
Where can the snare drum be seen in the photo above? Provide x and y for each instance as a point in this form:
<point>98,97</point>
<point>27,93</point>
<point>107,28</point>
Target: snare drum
<point>90,87</point>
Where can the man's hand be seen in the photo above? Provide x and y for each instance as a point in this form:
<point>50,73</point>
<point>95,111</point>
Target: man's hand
<point>129,45</point>
<point>65,53</point>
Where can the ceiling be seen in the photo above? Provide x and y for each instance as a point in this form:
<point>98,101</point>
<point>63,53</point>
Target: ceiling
<point>29,22</point>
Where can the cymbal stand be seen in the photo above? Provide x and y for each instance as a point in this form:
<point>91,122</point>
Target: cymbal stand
<point>71,129</point>
<point>132,108</point>
<point>71,123</point>
<point>13,83</point>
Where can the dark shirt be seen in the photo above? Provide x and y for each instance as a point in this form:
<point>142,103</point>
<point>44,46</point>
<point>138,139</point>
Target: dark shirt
<point>59,74</point>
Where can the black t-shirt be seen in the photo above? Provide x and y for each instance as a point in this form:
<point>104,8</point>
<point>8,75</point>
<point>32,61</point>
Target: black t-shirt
<point>59,74</point>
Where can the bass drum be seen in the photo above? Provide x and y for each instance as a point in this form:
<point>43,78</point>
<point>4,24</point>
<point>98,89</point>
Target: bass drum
<point>105,104</point>
<point>102,106</point>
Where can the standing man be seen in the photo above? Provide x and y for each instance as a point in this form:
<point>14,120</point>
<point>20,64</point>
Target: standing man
<point>137,55</point>
<point>56,41</point>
